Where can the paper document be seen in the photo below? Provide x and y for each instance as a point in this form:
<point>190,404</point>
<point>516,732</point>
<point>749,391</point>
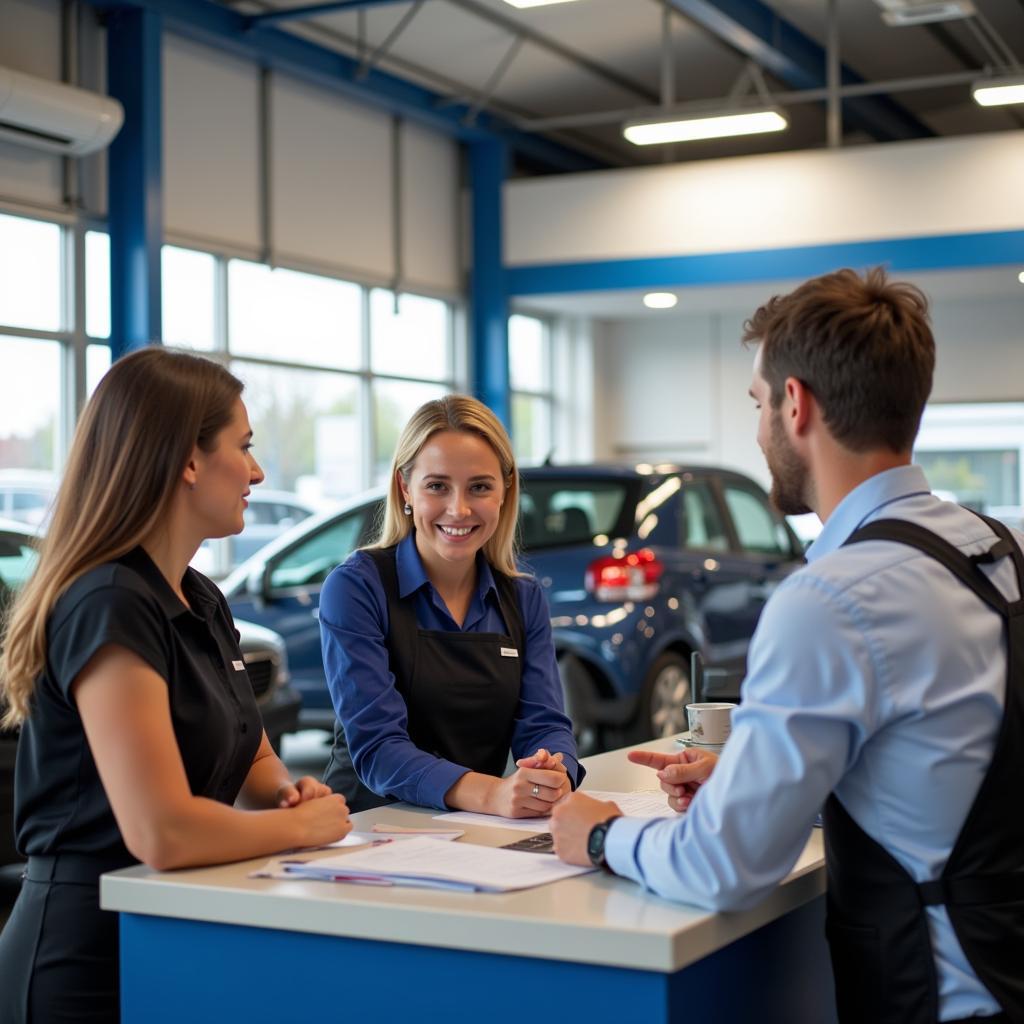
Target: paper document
<point>429,862</point>
<point>648,803</point>
<point>381,832</point>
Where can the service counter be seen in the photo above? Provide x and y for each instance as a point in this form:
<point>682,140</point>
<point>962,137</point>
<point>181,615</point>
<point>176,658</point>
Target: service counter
<point>215,945</point>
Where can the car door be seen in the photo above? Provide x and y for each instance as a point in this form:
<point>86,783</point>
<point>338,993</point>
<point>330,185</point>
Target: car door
<point>290,598</point>
<point>710,576</point>
<point>765,549</point>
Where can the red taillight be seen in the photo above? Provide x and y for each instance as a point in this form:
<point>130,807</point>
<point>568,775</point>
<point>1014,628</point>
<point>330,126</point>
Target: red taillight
<point>632,576</point>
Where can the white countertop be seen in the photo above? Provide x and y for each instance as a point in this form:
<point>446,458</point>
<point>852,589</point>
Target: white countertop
<point>595,918</point>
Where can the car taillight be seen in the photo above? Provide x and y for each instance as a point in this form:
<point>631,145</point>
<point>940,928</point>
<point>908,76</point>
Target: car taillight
<point>633,576</point>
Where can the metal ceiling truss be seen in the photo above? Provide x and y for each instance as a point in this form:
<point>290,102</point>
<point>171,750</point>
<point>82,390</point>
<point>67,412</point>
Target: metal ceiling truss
<point>220,27</point>
<point>755,30</point>
<point>782,99</point>
<point>312,10</point>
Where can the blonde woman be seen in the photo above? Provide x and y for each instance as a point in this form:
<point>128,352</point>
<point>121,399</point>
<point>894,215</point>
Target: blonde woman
<point>438,651</point>
<point>139,730</point>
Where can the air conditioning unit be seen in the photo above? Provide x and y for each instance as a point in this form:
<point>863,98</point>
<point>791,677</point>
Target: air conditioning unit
<point>897,13</point>
<point>58,118</point>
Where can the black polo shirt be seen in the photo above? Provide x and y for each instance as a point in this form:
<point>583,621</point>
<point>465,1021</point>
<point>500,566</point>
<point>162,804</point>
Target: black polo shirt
<point>59,802</point>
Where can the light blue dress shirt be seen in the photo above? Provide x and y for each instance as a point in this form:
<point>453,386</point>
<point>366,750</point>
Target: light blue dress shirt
<point>353,627</point>
<point>873,673</point>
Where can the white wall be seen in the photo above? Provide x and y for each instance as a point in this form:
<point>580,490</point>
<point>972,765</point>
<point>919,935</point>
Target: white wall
<point>912,189</point>
<point>676,389</point>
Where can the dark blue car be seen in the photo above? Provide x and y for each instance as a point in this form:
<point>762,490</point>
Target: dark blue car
<point>642,566</point>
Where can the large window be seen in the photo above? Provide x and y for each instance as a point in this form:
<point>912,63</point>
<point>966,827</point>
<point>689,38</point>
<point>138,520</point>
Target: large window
<point>32,329</point>
<point>332,368</point>
<point>972,453</point>
<point>529,354</point>
<point>30,274</point>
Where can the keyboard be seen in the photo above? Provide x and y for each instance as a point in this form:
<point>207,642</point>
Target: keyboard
<point>539,843</point>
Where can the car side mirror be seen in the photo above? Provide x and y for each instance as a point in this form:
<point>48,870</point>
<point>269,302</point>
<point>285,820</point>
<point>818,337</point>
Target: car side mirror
<point>257,586</point>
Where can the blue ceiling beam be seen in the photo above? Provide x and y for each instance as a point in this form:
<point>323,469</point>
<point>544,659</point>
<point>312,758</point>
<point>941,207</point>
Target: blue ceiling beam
<point>755,30</point>
<point>311,10</point>
<point>227,30</point>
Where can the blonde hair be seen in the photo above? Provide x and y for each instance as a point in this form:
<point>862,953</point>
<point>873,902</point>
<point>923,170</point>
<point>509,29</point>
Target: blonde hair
<point>465,415</point>
<point>135,437</point>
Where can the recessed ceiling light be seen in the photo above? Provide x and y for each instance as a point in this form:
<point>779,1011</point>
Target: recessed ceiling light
<point>536,3</point>
<point>711,126</point>
<point>660,300</point>
<point>1020,277</point>
<point>997,92</point>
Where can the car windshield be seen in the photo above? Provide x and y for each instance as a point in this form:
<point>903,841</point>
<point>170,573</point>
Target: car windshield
<point>555,511</point>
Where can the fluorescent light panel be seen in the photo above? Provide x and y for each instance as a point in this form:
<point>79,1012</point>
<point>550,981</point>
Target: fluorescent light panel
<point>536,3</point>
<point>997,92</point>
<point>717,126</point>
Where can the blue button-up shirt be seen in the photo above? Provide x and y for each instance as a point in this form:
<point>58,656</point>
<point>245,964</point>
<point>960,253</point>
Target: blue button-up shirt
<point>873,673</point>
<point>353,627</point>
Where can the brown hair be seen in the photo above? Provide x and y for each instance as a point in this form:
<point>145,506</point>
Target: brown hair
<point>864,348</point>
<point>465,415</point>
<point>137,432</point>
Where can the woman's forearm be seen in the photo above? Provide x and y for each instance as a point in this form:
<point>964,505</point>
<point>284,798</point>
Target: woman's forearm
<point>266,777</point>
<point>205,831</point>
<point>473,792</point>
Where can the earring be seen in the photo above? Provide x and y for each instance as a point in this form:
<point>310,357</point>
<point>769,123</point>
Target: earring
<point>407,509</point>
<point>191,487</point>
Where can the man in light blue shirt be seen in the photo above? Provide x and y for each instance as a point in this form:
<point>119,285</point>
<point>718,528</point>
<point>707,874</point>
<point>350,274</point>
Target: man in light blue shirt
<point>874,674</point>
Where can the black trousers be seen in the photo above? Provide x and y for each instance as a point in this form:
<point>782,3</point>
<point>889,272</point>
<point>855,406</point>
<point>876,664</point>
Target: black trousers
<point>58,953</point>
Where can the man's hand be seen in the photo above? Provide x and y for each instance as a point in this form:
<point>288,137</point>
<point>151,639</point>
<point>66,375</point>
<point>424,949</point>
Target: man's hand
<point>571,822</point>
<point>681,774</point>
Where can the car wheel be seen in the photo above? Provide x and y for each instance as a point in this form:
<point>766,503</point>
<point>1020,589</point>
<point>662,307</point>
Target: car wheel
<point>666,693</point>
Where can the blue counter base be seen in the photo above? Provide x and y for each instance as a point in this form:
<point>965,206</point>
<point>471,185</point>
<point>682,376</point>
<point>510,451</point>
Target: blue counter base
<point>187,971</point>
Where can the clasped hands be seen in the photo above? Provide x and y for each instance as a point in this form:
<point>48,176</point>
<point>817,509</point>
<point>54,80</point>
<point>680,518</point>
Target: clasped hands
<point>325,812</point>
<point>680,775</point>
<point>538,783</point>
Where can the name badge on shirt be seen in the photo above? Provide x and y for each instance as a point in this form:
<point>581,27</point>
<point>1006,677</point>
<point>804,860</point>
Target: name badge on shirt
<point>509,652</point>
<point>238,666</point>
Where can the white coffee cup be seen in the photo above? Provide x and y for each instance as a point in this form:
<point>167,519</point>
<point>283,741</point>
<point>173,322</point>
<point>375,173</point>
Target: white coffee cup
<point>709,723</point>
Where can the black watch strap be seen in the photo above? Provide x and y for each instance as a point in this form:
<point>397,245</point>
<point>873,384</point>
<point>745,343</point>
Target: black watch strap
<point>596,842</point>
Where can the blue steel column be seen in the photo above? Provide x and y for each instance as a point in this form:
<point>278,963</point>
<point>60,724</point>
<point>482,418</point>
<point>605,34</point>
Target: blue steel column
<point>488,294</point>
<point>135,182</point>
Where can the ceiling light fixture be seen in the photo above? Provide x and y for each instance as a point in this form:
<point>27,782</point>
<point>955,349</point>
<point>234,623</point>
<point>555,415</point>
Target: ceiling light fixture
<point>898,13</point>
<point>536,3</point>
<point>1020,277</point>
<point>997,92</point>
<point>660,300</point>
<point>708,126</point>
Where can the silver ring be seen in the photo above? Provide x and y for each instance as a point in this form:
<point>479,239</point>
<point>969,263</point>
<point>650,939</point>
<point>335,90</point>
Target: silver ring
<point>535,791</point>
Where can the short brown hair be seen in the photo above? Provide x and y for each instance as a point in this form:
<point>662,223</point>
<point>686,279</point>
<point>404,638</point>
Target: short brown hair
<point>864,348</point>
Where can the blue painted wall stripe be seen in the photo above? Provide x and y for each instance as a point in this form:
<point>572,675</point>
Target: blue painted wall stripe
<point>939,252</point>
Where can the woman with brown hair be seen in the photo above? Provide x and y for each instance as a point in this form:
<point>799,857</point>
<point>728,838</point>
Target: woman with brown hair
<point>139,729</point>
<point>438,651</point>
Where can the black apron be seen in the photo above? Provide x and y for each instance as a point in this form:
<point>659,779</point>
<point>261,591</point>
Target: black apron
<point>876,923</point>
<point>462,695</point>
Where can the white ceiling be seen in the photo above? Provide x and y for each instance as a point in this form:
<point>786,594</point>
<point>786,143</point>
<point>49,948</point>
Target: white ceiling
<point>939,286</point>
<point>602,55</point>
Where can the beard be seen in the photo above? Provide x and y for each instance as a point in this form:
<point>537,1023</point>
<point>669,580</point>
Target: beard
<point>788,470</point>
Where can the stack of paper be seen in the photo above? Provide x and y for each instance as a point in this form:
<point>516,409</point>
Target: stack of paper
<point>430,862</point>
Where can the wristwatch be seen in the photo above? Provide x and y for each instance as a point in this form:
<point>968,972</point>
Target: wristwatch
<point>596,840</point>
